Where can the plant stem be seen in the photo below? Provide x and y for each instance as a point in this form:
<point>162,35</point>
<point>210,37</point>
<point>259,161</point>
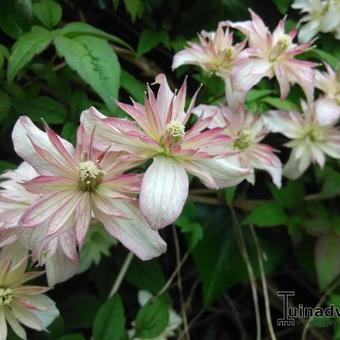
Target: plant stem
<point>121,274</point>
<point>264,284</point>
<point>245,256</point>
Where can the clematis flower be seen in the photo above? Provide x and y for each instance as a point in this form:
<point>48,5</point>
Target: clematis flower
<point>58,255</point>
<point>22,304</point>
<point>310,141</point>
<point>215,53</point>
<point>272,55</point>
<point>328,106</point>
<point>76,184</point>
<point>319,16</point>
<point>159,133</point>
<point>246,131</point>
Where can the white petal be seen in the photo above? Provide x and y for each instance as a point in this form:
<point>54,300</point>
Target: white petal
<point>327,111</point>
<point>48,315</point>
<point>164,191</point>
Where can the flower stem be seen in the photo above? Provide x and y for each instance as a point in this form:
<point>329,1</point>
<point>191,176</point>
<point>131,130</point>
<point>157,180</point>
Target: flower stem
<point>121,274</point>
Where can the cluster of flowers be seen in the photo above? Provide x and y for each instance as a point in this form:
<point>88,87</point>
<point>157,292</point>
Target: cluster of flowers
<point>318,16</point>
<point>48,204</point>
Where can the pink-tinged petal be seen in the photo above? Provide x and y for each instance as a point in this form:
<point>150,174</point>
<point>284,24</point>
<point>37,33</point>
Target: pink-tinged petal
<point>83,217</point>
<point>225,172</point>
<point>182,58</point>
<point>327,111</point>
<point>3,326</point>
<point>164,192</point>
<point>65,213</point>
<point>44,208</point>
<point>26,317</point>
<point>50,312</point>
<point>133,232</point>
<point>60,268</point>
<point>287,123</point>
<point>260,158</point>
<point>44,184</point>
<point>15,325</point>
<point>283,81</point>
<point>248,73</point>
<point>23,132</point>
<point>164,97</point>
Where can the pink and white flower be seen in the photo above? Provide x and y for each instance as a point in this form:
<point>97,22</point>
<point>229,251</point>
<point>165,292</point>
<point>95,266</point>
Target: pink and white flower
<point>272,55</point>
<point>310,141</point>
<point>22,304</point>
<point>328,105</point>
<point>215,53</point>
<point>159,133</point>
<point>76,184</point>
<point>246,131</point>
<point>58,255</point>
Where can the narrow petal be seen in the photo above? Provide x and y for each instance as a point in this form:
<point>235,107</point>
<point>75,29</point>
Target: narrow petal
<point>164,192</point>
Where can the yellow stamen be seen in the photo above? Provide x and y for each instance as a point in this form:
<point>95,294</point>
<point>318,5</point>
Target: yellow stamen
<point>6,296</point>
<point>89,176</point>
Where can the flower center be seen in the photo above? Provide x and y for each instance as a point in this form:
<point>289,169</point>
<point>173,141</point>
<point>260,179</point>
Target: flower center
<point>281,46</point>
<point>243,141</point>
<point>6,296</point>
<point>89,176</point>
<point>224,58</point>
<point>175,130</point>
<point>315,135</point>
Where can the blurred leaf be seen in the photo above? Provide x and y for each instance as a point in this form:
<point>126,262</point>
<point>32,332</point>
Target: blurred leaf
<point>75,29</point>
<point>132,85</point>
<point>42,107</point>
<point>95,62</point>
<point>253,95</point>
<point>79,102</point>
<point>230,194</point>
<point>26,47</point>
<point>4,54</point>
<point>74,313</point>
<point>146,275</point>
<point>150,39</point>
<point>266,214</point>
<point>327,259</point>
<point>48,12</point>
<point>194,230</point>
<point>15,16</point>
<point>280,104</point>
<point>289,195</point>
<point>110,320</point>
<point>69,132</point>
<point>7,165</point>
<point>135,8</point>
<point>76,336</point>
<point>283,5</point>
<point>331,185</point>
<point>152,319</point>
<point>5,105</point>
<point>323,56</point>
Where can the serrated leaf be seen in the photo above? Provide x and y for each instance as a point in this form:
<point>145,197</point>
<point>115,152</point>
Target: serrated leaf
<point>42,107</point>
<point>267,214</point>
<point>48,12</point>
<point>327,259</point>
<point>110,320</point>
<point>95,62</point>
<point>26,47</point>
<point>152,319</point>
<point>74,29</point>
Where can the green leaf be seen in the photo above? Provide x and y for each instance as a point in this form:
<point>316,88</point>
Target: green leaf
<point>194,230</point>
<point>280,104</point>
<point>253,95</point>
<point>289,195</point>
<point>149,40</point>
<point>152,319</point>
<point>7,165</point>
<point>146,275</point>
<point>135,8</point>
<point>76,336</point>
<point>42,107</point>
<point>95,62</point>
<point>75,29</point>
<point>230,194</point>
<point>331,185</point>
<point>4,54</point>
<point>132,85</point>
<point>266,214</point>
<point>15,17</point>
<point>48,12</point>
<point>110,320</point>
<point>323,56</point>
<point>283,5</point>
<point>5,105</point>
<point>27,46</point>
<point>327,259</point>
